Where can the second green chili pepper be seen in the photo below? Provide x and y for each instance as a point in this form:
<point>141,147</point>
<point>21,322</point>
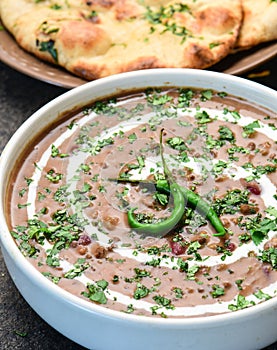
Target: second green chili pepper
<point>203,207</point>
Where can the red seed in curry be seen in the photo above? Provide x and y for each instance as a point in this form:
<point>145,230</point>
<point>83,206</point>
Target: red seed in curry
<point>231,247</point>
<point>177,248</point>
<point>254,189</point>
<point>252,186</point>
<point>84,240</point>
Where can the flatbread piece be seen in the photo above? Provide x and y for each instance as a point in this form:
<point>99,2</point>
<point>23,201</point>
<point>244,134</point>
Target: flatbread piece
<point>93,39</point>
<point>259,22</point>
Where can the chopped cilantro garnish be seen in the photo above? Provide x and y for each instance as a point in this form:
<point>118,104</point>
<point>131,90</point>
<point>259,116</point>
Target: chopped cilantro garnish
<point>22,192</point>
<point>54,279</point>
<point>61,193</point>
<point>177,143</point>
<point>226,134</point>
<point>178,292</point>
<point>269,256</point>
<point>132,138</point>
<point>239,283</point>
<point>161,198</point>
<point>259,170</point>
<point>49,47</point>
<point>104,107</point>
<point>239,149</point>
<point>213,45</point>
<point>235,114</point>
<point>191,272</point>
<point>130,309</point>
<point>261,295</point>
<point>56,7</point>
<point>96,292</point>
<point>141,291</point>
<point>53,177</point>
<point>28,180</point>
<point>164,17</point>
<point>241,303</point>
<point>206,95</point>
<point>183,265</point>
<point>193,247</point>
<point>101,144</point>
<point>250,128</point>
<point>202,117</point>
<point>212,143</point>
<point>154,262</point>
<point>56,153</point>
<point>185,97</point>
<point>259,227</point>
<point>217,291</point>
<point>231,202</point>
<point>222,94</point>
<point>219,167</point>
<point>80,266</point>
<point>162,301</point>
<point>21,206</point>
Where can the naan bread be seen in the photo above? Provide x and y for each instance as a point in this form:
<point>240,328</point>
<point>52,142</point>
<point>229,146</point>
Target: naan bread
<point>97,38</point>
<point>259,22</point>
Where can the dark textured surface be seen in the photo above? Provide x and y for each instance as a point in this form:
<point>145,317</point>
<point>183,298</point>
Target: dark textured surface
<point>20,327</point>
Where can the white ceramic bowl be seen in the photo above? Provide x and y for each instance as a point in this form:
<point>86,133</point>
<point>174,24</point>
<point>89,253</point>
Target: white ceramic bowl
<point>96,327</point>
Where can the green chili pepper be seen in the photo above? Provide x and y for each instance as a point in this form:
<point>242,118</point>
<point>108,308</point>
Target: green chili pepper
<point>188,197</point>
<point>196,202</point>
<point>165,226</point>
<point>191,199</point>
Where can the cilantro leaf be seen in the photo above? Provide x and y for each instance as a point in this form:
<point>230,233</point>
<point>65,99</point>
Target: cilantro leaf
<point>269,256</point>
<point>49,47</point>
<point>250,128</point>
<point>241,303</point>
<point>96,292</point>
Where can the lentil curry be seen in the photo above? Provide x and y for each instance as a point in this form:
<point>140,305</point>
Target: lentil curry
<point>88,190</point>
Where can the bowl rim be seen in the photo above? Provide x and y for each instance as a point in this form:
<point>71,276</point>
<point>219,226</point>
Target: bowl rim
<point>7,242</point>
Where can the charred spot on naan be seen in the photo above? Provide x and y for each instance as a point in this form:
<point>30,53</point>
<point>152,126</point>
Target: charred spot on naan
<point>216,21</point>
<point>107,4</point>
<point>82,39</point>
<point>143,63</point>
<point>198,56</point>
<point>88,71</point>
